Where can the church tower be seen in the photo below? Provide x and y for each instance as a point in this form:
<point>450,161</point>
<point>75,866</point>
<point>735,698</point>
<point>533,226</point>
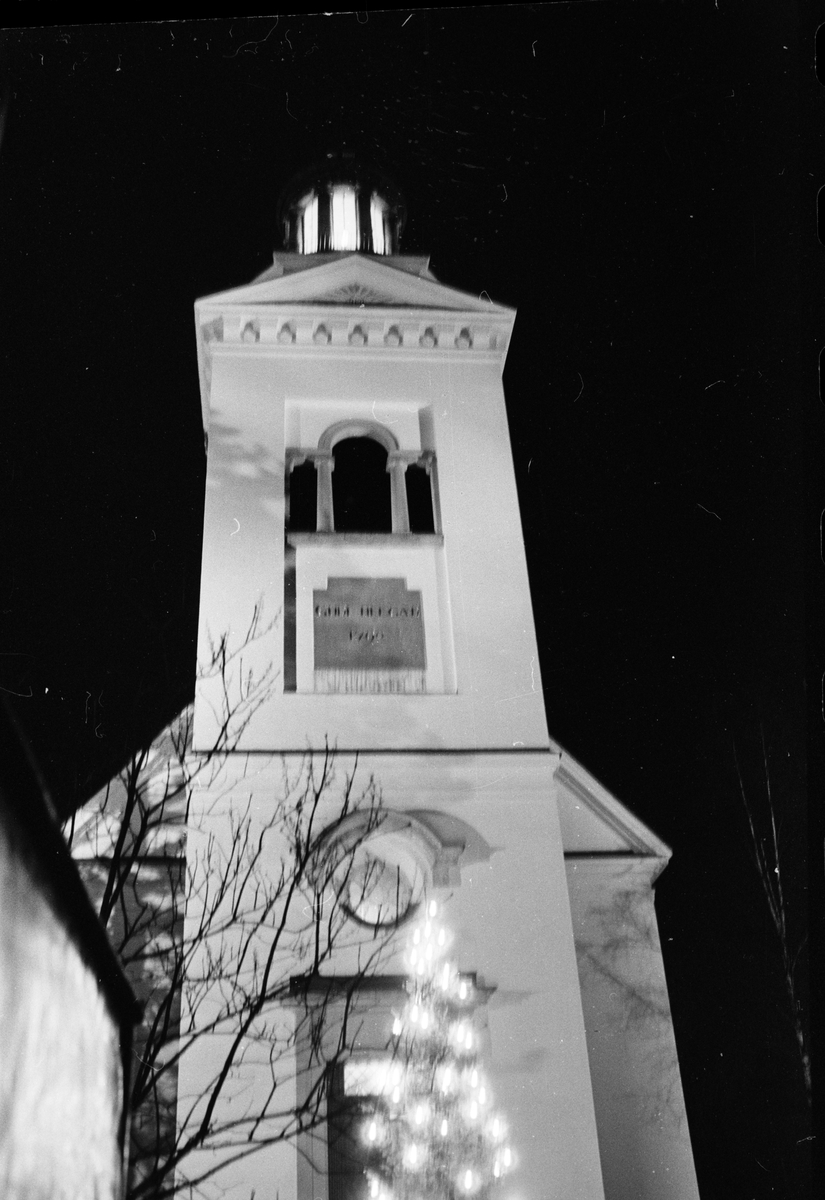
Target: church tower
<point>362,519</point>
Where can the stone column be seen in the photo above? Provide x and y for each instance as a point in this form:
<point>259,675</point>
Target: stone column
<point>324,466</point>
<point>397,468</point>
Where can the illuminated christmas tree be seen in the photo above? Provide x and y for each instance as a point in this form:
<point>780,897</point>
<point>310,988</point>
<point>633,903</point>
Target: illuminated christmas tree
<point>435,1134</point>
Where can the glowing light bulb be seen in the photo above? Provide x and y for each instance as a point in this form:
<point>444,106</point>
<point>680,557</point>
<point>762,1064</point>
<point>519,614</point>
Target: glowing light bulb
<point>374,1187</point>
<point>397,1027</point>
<point>507,1156</point>
<point>445,977</point>
<point>462,990</point>
<point>425,1019</point>
<point>496,1127</point>
<point>413,1155</point>
<point>414,957</point>
<point>459,1033</point>
<point>482,1095</point>
<point>419,1115</point>
<point>414,1014</point>
<point>442,936</point>
<point>372,1132</point>
<point>468,1180</point>
<point>396,1074</point>
<point>427,929</point>
<point>445,1082</point>
<point>473,1111</point>
<point>419,970</point>
<point>396,1095</point>
<point>474,1078</point>
<point>444,1127</point>
<point>433,908</point>
<point>416,937</point>
<point>497,1169</point>
<point>428,953</point>
<point>468,1039</point>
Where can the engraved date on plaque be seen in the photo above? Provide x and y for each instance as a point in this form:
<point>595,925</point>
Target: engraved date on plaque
<point>368,625</point>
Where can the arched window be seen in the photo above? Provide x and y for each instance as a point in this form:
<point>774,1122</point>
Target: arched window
<point>358,480</point>
<point>361,498</point>
<point>379,865</point>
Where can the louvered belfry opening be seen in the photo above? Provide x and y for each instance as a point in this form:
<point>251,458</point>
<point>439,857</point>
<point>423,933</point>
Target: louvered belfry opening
<point>344,203</point>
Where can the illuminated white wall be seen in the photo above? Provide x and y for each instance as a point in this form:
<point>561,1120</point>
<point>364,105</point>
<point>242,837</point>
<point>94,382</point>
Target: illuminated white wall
<point>483,645</point>
<point>476,745</point>
<point>61,1087</point>
<point>637,1090</point>
<point>511,921</point>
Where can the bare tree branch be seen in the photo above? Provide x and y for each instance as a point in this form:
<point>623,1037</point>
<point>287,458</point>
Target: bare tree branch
<point>768,860</point>
<point>215,930</point>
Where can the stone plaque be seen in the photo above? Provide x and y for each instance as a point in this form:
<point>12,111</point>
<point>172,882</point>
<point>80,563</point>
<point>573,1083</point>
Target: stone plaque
<point>368,625</point>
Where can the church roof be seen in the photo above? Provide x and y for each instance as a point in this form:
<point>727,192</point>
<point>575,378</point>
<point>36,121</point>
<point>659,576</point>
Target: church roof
<point>593,822</point>
<point>343,277</point>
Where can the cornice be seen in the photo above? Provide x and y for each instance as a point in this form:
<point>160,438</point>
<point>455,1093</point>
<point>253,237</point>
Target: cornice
<point>353,304</point>
<point>329,330</point>
<point>327,327</point>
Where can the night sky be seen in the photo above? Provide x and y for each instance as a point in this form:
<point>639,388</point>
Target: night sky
<point>632,178</point>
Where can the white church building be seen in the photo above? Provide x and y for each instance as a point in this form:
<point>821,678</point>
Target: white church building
<point>362,520</point>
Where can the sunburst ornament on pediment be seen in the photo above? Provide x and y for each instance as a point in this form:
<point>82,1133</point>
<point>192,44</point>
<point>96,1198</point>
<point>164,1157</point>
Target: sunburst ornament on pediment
<point>354,293</point>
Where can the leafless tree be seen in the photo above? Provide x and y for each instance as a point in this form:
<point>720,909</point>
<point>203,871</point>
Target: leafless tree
<point>221,920</point>
<point>770,862</point>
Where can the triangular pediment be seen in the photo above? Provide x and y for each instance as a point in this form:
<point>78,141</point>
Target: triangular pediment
<point>594,822</point>
<point>355,280</point>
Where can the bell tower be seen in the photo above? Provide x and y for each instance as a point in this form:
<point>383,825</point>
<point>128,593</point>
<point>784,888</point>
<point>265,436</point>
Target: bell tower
<point>362,520</point>
<point>360,487</point>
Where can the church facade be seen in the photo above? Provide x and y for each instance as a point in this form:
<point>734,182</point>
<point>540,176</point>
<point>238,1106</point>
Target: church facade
<point>365,604</point>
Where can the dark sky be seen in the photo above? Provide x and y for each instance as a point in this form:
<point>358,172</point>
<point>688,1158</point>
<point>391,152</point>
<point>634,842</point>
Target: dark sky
<point>632,178</point>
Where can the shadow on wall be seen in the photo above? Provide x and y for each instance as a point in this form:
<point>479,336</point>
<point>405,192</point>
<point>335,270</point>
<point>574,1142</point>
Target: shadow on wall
<point>618,953</point>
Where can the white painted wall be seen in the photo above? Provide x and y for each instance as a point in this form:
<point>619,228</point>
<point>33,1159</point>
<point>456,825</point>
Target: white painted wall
<point>511,920</point>
<point>61,1078</point>
<point>471,747</point>
<point>481,576</point>
<point>640,1107</point>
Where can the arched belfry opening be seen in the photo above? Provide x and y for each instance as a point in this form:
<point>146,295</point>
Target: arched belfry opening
<point>358,480</point>
<point>361,496</point>
<point>361,513</point>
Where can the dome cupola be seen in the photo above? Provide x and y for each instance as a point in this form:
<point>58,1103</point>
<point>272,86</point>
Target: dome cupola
<point>341,204</point>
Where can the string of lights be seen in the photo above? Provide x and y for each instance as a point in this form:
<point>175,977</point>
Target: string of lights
<point>434,1132</point>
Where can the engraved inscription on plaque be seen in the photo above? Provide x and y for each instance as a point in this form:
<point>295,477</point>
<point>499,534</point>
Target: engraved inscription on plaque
<point>369,636</point>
